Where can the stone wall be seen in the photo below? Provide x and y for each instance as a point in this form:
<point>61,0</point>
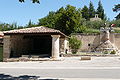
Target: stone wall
<point>117,40</point>
<point>20,45</point>
<point>6,47</point>
<point>88,41</point>
<point>64,44</point>
<point>91,41</point>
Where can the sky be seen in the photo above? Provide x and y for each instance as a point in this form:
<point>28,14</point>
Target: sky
<point>12,11</point>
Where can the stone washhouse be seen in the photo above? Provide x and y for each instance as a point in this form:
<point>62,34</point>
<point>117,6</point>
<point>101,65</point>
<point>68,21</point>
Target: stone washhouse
<point>41,41</point>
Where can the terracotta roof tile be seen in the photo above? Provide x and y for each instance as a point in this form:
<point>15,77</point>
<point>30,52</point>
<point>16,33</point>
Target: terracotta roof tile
<point>39,29</point>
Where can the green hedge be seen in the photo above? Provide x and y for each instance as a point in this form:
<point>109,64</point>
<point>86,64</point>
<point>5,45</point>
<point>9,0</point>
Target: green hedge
<point>116,31</point>
<point>92,31</point>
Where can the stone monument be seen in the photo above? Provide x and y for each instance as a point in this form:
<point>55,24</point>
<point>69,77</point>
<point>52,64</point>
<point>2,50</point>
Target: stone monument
<point>105,43</point>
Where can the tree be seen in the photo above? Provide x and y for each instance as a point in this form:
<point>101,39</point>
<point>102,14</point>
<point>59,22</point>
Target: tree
<point>85,12</point>
<point>6,26</point>
<point>31,24</point>
<point>91,10</point>
<point>33,1</point>
<point>116,22</point>
<point>70,20</point>
<point>49,20</point>
<point>100,10</point>
<point>94,24</point>
<point>116,9</point>
<point>67,19</point>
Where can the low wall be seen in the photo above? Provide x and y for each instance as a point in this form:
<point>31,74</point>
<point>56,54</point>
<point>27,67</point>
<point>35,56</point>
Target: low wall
<point>91,41</point>
<point>117,40</point>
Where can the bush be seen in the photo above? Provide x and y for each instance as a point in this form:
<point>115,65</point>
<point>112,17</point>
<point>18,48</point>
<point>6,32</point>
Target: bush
<point>105,52</point>
<point>92,31</point>
<point>81,29</point>
<point>75,44</point>
<point>116,22</point>
<point>116,31</point>
<point>113,52</point>
<point>95,24</point>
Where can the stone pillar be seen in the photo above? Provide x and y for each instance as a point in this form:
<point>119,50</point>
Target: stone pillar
<point>65,45</point>
<point>107,35</point>
<point>6,47</point>
<point>55,46</point>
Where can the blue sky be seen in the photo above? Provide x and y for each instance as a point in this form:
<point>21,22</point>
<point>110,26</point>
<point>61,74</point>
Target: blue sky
<point>14,11</point>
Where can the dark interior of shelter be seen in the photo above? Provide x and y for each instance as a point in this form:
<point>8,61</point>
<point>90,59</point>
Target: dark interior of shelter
<point>42,45</point>
<point>31,45</point>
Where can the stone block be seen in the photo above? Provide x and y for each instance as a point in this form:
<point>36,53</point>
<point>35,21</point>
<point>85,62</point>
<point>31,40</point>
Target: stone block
<point>85,58</point>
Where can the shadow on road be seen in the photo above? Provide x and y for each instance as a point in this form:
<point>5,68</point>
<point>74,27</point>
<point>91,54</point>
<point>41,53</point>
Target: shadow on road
<point>23,77</point>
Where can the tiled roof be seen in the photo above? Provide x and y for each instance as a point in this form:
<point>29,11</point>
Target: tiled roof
<point>39,29</point>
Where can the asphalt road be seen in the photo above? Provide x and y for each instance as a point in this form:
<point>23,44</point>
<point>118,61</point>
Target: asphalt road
<point>99,67</point>
<point>65,73</point>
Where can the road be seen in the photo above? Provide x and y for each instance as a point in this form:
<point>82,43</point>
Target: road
<point>97,68</point>
<point>65,73</point>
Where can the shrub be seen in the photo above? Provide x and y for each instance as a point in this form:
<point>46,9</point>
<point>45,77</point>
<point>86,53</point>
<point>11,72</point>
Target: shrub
<point>116,30</point>
<point>95,24</point>
<point>75,44</point>
<point>113,52</point>
<point>116,22</point>
<point>92,31</point>
<point>81,29</point>
<point>105,52</point>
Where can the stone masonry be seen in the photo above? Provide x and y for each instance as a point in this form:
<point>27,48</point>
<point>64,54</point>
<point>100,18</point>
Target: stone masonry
<point>90,41</point>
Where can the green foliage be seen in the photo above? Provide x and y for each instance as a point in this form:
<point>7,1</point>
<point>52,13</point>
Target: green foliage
<point>67,19</point>
<point>5,26</point>
<point>49,20</point>
<point>113,52</point>
<point>116,9</point>
<point>75,44</point>
<point>118,16</point>
<point>105,52</point>
<point>81,29</point>
<point>91,10</point>
<point>92,31</point>
<point>94,24</point>
<point>31,24</point>
<point>116,22</point>
<point>85,12</point>
<point>33,1</point>
<point>100,11</point>
<point>116,30</point>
